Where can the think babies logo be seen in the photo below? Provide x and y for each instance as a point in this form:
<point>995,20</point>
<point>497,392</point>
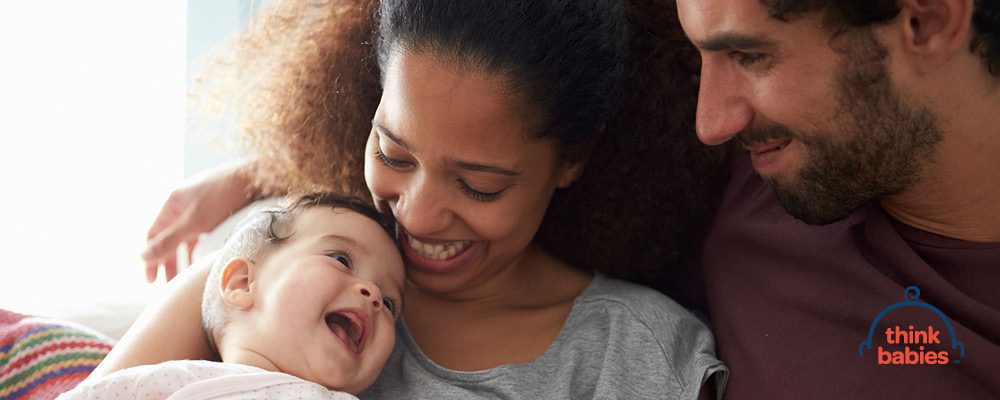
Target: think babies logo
<point>913,344</point>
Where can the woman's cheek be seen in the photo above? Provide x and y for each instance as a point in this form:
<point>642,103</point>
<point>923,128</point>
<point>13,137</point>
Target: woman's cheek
<point>498,223</point>
<point>370,164</point>
<point>380,188</point>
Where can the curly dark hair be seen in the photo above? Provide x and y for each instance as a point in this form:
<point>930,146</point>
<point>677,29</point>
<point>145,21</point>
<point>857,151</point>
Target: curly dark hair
<point>648,184</point>
<point>302,82</point>
<point>844,14</point>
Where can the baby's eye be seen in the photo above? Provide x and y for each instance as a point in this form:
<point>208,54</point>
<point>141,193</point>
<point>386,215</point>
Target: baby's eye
<point>342,258</point>
<point>390,305</point>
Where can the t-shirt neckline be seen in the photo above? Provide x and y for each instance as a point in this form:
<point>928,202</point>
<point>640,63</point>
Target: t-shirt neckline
<point>481,375</point>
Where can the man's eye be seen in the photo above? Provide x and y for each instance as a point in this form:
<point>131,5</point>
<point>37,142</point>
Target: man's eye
<point>342,258</point>
<point>748,59</point>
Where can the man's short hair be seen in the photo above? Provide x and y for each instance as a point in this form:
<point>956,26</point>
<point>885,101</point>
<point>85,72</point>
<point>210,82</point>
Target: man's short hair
<point>841,15</point>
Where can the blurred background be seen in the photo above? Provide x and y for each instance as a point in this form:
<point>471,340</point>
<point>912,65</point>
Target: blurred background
<point>93,137</point>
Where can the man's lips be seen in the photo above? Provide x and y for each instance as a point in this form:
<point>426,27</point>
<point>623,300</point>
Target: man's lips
<point>351,326</point>
<point>759,148</point>
<point>766,155</point>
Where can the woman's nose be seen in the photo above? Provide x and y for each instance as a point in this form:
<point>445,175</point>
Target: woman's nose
<point>723,111</point>
<point>424,209</point>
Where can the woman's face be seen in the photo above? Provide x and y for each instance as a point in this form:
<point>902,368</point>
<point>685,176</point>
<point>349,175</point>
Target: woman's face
<point>455,160</point>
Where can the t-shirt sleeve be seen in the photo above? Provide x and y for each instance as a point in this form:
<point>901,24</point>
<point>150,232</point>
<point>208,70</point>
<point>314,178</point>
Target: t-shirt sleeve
<point>656,346</point>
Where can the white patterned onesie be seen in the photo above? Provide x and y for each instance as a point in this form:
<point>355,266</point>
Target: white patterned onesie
<point>198,379</point>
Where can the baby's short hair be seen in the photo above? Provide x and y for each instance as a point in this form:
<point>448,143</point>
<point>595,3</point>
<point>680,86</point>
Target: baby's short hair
<point>261,233</point>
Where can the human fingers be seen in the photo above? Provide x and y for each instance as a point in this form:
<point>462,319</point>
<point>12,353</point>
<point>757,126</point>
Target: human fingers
<point>152,267</point>
<point>164,244</point>
<point>170,267</point>
<point>191,244</point>
<point>172,210</point>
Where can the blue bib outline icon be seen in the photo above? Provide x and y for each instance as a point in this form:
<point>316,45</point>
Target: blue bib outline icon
<point>911,298</point>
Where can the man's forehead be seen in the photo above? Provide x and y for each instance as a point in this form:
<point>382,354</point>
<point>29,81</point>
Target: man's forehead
<point>705,20</point>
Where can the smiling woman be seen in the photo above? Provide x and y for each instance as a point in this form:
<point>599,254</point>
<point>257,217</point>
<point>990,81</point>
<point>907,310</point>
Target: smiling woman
<point>473,121</point>
<point>93,100</point>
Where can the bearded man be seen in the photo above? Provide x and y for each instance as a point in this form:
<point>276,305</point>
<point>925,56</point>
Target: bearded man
<point>856,251</point>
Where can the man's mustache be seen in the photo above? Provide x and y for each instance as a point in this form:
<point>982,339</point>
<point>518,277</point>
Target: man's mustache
<point>765,133</point>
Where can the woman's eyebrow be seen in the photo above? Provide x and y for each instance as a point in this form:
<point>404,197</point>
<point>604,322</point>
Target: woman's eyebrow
<point>485,168</point>
<point>387,133</point>
<point>466,165</point>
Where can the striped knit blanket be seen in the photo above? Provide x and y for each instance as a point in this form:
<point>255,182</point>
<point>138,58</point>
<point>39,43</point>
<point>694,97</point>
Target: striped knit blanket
<point>41,358</point>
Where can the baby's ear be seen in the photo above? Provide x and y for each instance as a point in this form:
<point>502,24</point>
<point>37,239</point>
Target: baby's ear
<point>235,283</point>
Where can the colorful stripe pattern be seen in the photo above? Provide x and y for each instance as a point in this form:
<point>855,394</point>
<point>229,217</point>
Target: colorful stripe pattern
<point>41,358</point>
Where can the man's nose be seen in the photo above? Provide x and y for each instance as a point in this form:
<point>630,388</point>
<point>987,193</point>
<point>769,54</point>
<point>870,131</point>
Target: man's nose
<point>723,110</point>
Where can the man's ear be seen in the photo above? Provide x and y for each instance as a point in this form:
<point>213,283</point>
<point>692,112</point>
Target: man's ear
<point>235,284</point>
<point>933,31</point>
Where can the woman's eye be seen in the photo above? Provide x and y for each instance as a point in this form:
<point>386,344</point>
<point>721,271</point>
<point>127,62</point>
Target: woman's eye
<point>479,195</point>
<point>389,162</point>
<point>342,258</point>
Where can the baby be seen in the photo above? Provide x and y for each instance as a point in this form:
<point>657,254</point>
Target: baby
<point>300,301</point>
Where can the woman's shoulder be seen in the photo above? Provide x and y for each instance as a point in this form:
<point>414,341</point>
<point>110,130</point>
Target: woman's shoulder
<point>636,303</point>
<point>637,327</point>
<point>638,314</point>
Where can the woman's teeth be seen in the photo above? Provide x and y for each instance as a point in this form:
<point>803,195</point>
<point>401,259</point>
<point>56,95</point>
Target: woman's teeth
<point>437,251</point>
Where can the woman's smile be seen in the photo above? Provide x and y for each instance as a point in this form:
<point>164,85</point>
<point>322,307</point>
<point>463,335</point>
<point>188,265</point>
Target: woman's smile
<point>438,251</point>
<point>438,256</point>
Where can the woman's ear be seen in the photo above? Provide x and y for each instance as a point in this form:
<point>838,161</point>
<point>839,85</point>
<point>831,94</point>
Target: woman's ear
<point>570,173</point>
<point>933,31</point>
<point>235,284</point>
<point>571,170</point>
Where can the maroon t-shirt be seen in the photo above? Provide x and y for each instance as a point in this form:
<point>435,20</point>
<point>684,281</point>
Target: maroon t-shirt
<point>792,304</point>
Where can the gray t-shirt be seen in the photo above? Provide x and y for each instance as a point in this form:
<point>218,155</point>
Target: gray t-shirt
<point>620,341</point>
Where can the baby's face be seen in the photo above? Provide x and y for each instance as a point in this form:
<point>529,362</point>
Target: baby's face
<point>328,298</point>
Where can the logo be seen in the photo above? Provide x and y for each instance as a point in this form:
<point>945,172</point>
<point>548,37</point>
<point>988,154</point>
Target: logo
<point>913,345</point>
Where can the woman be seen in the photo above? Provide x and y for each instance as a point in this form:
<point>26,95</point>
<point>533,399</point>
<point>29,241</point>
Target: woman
<point>497,145</point>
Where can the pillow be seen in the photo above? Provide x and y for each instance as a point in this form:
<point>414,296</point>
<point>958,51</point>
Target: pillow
<point>41,358</point>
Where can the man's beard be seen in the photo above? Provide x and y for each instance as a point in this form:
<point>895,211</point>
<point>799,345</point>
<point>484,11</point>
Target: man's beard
<point>877,148</point>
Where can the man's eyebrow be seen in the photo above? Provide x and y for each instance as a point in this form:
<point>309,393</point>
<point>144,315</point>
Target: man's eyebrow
<point>734,41</point>
<point>392,136</point>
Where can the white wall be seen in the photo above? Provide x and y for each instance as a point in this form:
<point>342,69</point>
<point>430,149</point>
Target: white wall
<point>93,137</point>
<point>91,115</point>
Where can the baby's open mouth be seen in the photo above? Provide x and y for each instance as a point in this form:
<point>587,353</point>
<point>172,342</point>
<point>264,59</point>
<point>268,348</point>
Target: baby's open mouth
<point>349,328</point>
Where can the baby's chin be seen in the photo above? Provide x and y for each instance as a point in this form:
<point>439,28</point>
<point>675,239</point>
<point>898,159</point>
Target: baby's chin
<point>352,382</point>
